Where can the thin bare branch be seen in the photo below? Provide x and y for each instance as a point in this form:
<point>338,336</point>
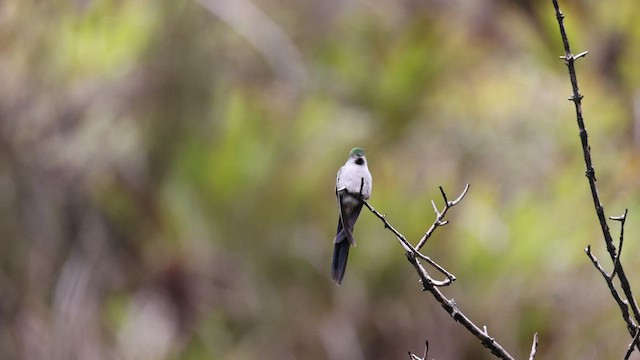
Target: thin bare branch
<point>444,195</point>
<point>461,196</point>
<point>576,57</point>
<point>582,54</point>
<point>534,347</point>
<point>633,344</point>
<point>439,221</point>
<point>410,249</point>
<point>426,353</point>
<point>576,97</point>
<point>623,219</point>
<point>432,286</point>
<point>450,306</point>
<point>624,308</point>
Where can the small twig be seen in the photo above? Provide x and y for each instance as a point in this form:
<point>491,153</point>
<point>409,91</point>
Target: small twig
<point>441,214</point>
<point>576,57</point>
<point>632,345</point>
<point>534,347</point>
<point>623,219</point>
<point>426,352</point>
<point>450,306</point>
<point>624,308</point>
<point>410,249</point>
<point>432,286</point>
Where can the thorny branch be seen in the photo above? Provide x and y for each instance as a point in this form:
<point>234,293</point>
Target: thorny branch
<point>429,284</point>
<point>576,98</point>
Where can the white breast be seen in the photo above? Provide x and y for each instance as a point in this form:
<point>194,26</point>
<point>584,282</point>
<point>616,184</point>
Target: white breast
<point>352,177</point>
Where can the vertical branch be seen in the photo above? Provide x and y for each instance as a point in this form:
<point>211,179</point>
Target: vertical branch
<point>623,220</point>
<point>569,60</point>
<point>576,98</point>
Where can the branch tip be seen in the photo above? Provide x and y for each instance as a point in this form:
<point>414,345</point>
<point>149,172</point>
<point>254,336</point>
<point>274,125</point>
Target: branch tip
<point>462,195</point>
<point>444,195</point>
<point>622,217</point>
<point>426,352</point>
<point>582,54</point>
<point>439,221</point>
<point>435,208</point>
<point>534,347</point>
<point>616,263</point>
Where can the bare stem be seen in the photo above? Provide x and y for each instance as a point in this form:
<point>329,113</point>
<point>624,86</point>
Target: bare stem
<point>426,352</point>
<point>634,343</point>
<point>534,347</point>
<point>576,97</point>
<point>410,249</point>
<point>623,220</point>
<point>441,214</point>
<point>450,306</point>
<point>429,284</point>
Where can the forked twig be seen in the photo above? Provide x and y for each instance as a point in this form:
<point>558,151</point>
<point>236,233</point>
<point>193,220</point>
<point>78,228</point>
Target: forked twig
<point>426,352</point>
<point>410,249</point>
<point>633,344</point>
<point>624,308</point>
<point>429,284</point>
<point>441,214</point>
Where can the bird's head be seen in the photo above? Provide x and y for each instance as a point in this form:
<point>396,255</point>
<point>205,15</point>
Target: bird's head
<point>357,155</point>
<point>357,151</point>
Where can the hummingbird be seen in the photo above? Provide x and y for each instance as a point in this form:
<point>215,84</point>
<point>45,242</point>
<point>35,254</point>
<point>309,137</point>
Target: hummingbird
<point>353,184</point>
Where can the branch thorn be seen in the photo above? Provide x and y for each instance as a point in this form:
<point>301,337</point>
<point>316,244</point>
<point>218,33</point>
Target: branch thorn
<point>622,217</point>
<point>582,54</point>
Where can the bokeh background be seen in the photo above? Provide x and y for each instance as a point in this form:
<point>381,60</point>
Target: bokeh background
<point>167,176</point>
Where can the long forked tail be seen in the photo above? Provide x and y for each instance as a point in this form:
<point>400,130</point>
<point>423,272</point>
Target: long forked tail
<point>339,263</point>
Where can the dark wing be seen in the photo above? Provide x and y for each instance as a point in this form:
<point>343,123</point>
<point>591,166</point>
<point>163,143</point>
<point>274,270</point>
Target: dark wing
<point>348,216</point>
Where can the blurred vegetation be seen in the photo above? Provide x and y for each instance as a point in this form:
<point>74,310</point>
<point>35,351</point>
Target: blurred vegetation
<point>167,173</point>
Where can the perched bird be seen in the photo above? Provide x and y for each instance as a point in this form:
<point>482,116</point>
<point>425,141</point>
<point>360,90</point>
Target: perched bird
<point>353,183</point>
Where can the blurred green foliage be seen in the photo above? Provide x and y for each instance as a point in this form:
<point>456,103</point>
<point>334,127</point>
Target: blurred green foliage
<point>167,173</point>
